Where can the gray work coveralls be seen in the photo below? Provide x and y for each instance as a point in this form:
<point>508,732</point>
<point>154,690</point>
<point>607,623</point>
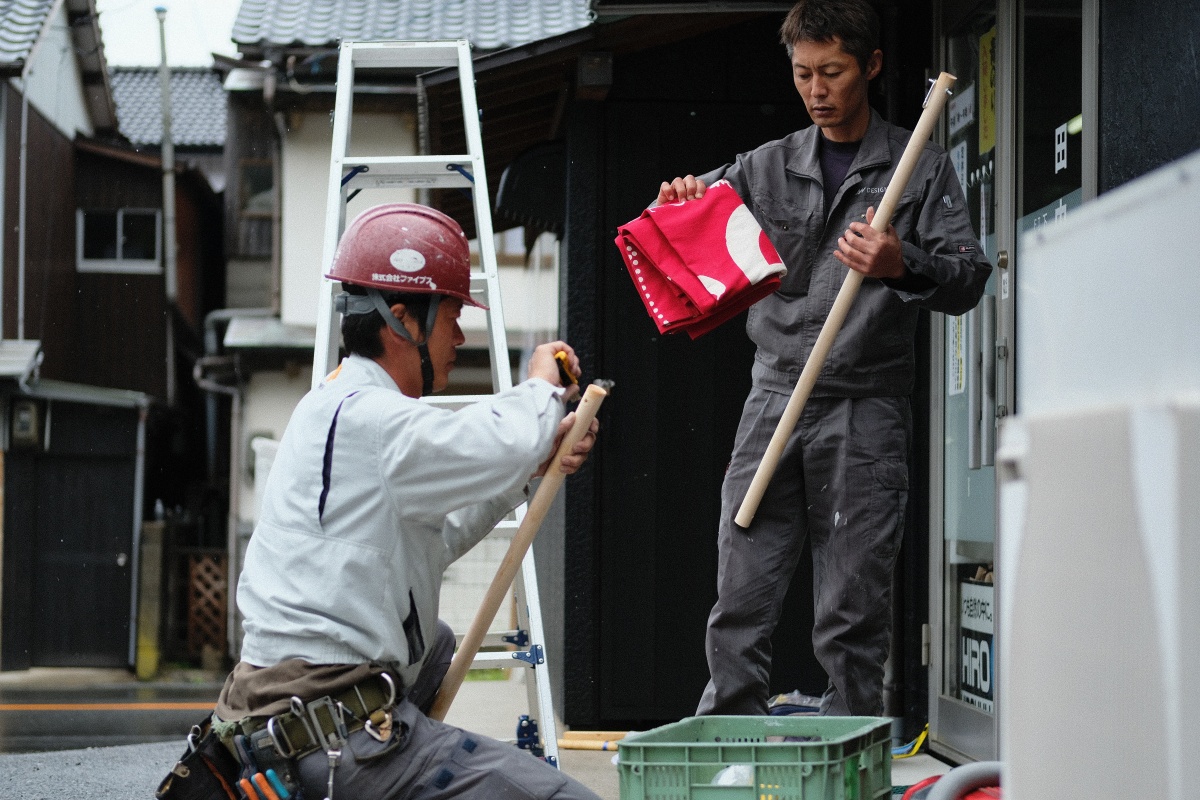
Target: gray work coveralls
<point>843,478</point>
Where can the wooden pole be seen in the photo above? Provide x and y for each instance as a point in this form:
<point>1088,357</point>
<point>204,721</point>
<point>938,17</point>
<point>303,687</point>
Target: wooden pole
<point>593,396</point>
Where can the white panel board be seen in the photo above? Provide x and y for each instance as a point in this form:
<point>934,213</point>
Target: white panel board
<point>1108,300</point>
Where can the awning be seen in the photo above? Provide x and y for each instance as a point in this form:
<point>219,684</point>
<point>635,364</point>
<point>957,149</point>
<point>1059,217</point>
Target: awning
<point>19,359</point>
<point>65,391</point>
<point>268,333</point>
<point>533,187</point>
<point>523,92</point>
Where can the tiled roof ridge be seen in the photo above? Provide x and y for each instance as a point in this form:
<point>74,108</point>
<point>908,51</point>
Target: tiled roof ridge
<point>489,24</point>
<point>154,69</point>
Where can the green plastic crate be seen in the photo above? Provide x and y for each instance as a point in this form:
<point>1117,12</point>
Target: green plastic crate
<point>845,758</point>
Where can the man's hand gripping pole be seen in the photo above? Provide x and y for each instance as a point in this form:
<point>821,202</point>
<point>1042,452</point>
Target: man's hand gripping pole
<point>593,396</point>
<point>934,103</point>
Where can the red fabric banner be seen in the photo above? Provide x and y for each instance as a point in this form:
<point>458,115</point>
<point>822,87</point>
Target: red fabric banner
<point>698,263</point>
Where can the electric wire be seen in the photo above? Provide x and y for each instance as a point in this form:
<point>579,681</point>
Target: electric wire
<point>912,748</point>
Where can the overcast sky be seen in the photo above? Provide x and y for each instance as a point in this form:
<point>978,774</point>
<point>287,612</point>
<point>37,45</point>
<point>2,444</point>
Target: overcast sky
<point>195,30</point>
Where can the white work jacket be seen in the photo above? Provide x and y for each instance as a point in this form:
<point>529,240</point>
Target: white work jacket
<point>371,496</point>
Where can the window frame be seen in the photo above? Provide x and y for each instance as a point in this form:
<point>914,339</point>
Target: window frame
<point>119,265</point>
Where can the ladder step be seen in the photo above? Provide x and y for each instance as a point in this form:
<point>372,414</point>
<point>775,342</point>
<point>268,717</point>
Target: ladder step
<point>491,639</point>
<point>420,171</point>
<point>397,55</point>
<point>505,528</point>
<point>496,660</point>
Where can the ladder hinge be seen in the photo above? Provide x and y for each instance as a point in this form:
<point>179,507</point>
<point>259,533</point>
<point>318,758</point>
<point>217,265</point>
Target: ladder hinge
<point>519,638</point>
<point>527,735</point>
<point>534,655</point>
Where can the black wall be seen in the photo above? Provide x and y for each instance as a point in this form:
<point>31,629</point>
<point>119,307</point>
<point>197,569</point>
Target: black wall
<point>1149,86</point>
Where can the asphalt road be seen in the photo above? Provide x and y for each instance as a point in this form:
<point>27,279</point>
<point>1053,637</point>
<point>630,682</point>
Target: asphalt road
<point>44,719</point>
<point>83,733</point>
<point>128,772</point>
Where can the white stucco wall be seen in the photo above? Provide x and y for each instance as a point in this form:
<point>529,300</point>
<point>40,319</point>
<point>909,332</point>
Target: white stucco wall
<point>55,86</point>
<point>530,293</point>
<point>529,297</point>
<point>306,154</point>
<point>267,406</point>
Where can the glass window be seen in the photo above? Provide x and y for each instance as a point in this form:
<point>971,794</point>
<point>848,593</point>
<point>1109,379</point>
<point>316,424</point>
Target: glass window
<point>125,240</point>
<point>257,189</point>
<point>139,235</point>
<point>99,234</point>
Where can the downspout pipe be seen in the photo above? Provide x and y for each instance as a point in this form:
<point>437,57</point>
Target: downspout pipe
<point>3,188</point>
<point>232,568</point>
<point>21,204</point>
<point>139,492</point>
<point>212,346</point>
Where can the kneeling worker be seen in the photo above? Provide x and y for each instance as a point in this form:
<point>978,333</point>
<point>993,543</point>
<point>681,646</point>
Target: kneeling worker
<point>371,496</point>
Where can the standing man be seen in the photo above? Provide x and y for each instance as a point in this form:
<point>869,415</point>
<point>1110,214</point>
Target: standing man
<point>843,478</point>
<point>371,496</point>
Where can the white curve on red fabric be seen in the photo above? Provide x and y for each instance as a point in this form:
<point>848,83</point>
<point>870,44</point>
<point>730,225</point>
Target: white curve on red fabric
<point>714,286</point>
<point>741,239</point>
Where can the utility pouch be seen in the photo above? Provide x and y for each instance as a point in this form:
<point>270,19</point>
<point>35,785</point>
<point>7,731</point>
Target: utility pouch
<point>206,770</point>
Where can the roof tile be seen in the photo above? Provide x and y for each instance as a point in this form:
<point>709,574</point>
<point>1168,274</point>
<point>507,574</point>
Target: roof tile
<point>198,104</point>
<point>488,24</point>
<point>20,23</point>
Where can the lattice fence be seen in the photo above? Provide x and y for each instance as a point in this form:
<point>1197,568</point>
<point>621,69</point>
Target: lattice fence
<point>208,591</point>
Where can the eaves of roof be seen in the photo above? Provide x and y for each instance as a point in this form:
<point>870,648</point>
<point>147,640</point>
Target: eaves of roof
<point>119,153</point>
<point>522,91</point>
<point>22,22</point>
<point>84,22</point>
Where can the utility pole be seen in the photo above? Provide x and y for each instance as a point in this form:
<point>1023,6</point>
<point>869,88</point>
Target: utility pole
<point>168,179</point>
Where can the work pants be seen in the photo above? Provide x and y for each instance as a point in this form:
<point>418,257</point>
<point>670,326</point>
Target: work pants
<point>425,759</point>
<point>842,482</point>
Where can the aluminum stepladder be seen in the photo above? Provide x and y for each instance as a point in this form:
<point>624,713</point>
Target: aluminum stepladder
<point>538,731</point>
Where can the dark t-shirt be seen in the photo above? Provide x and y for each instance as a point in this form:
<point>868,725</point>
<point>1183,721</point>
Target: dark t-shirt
<point>836,158</point>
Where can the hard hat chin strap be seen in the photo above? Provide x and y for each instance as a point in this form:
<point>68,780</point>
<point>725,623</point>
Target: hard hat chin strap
<point>422,346</point>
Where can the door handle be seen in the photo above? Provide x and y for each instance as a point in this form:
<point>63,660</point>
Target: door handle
<point>1003,351</point>
<point>987,381</point>
<point>974,389</point>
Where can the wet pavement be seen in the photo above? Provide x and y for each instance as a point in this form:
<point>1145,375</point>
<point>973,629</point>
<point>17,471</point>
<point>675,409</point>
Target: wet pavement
<point>104,735</point>
<point>53,710</point>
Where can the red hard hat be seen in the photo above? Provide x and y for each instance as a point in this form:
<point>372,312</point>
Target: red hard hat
<point>405,247</point>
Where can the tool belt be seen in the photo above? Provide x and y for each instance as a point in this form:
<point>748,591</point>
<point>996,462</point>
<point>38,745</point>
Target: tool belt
<point>205,771</point>
<point>314,725</point>
<point>258,763</point>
